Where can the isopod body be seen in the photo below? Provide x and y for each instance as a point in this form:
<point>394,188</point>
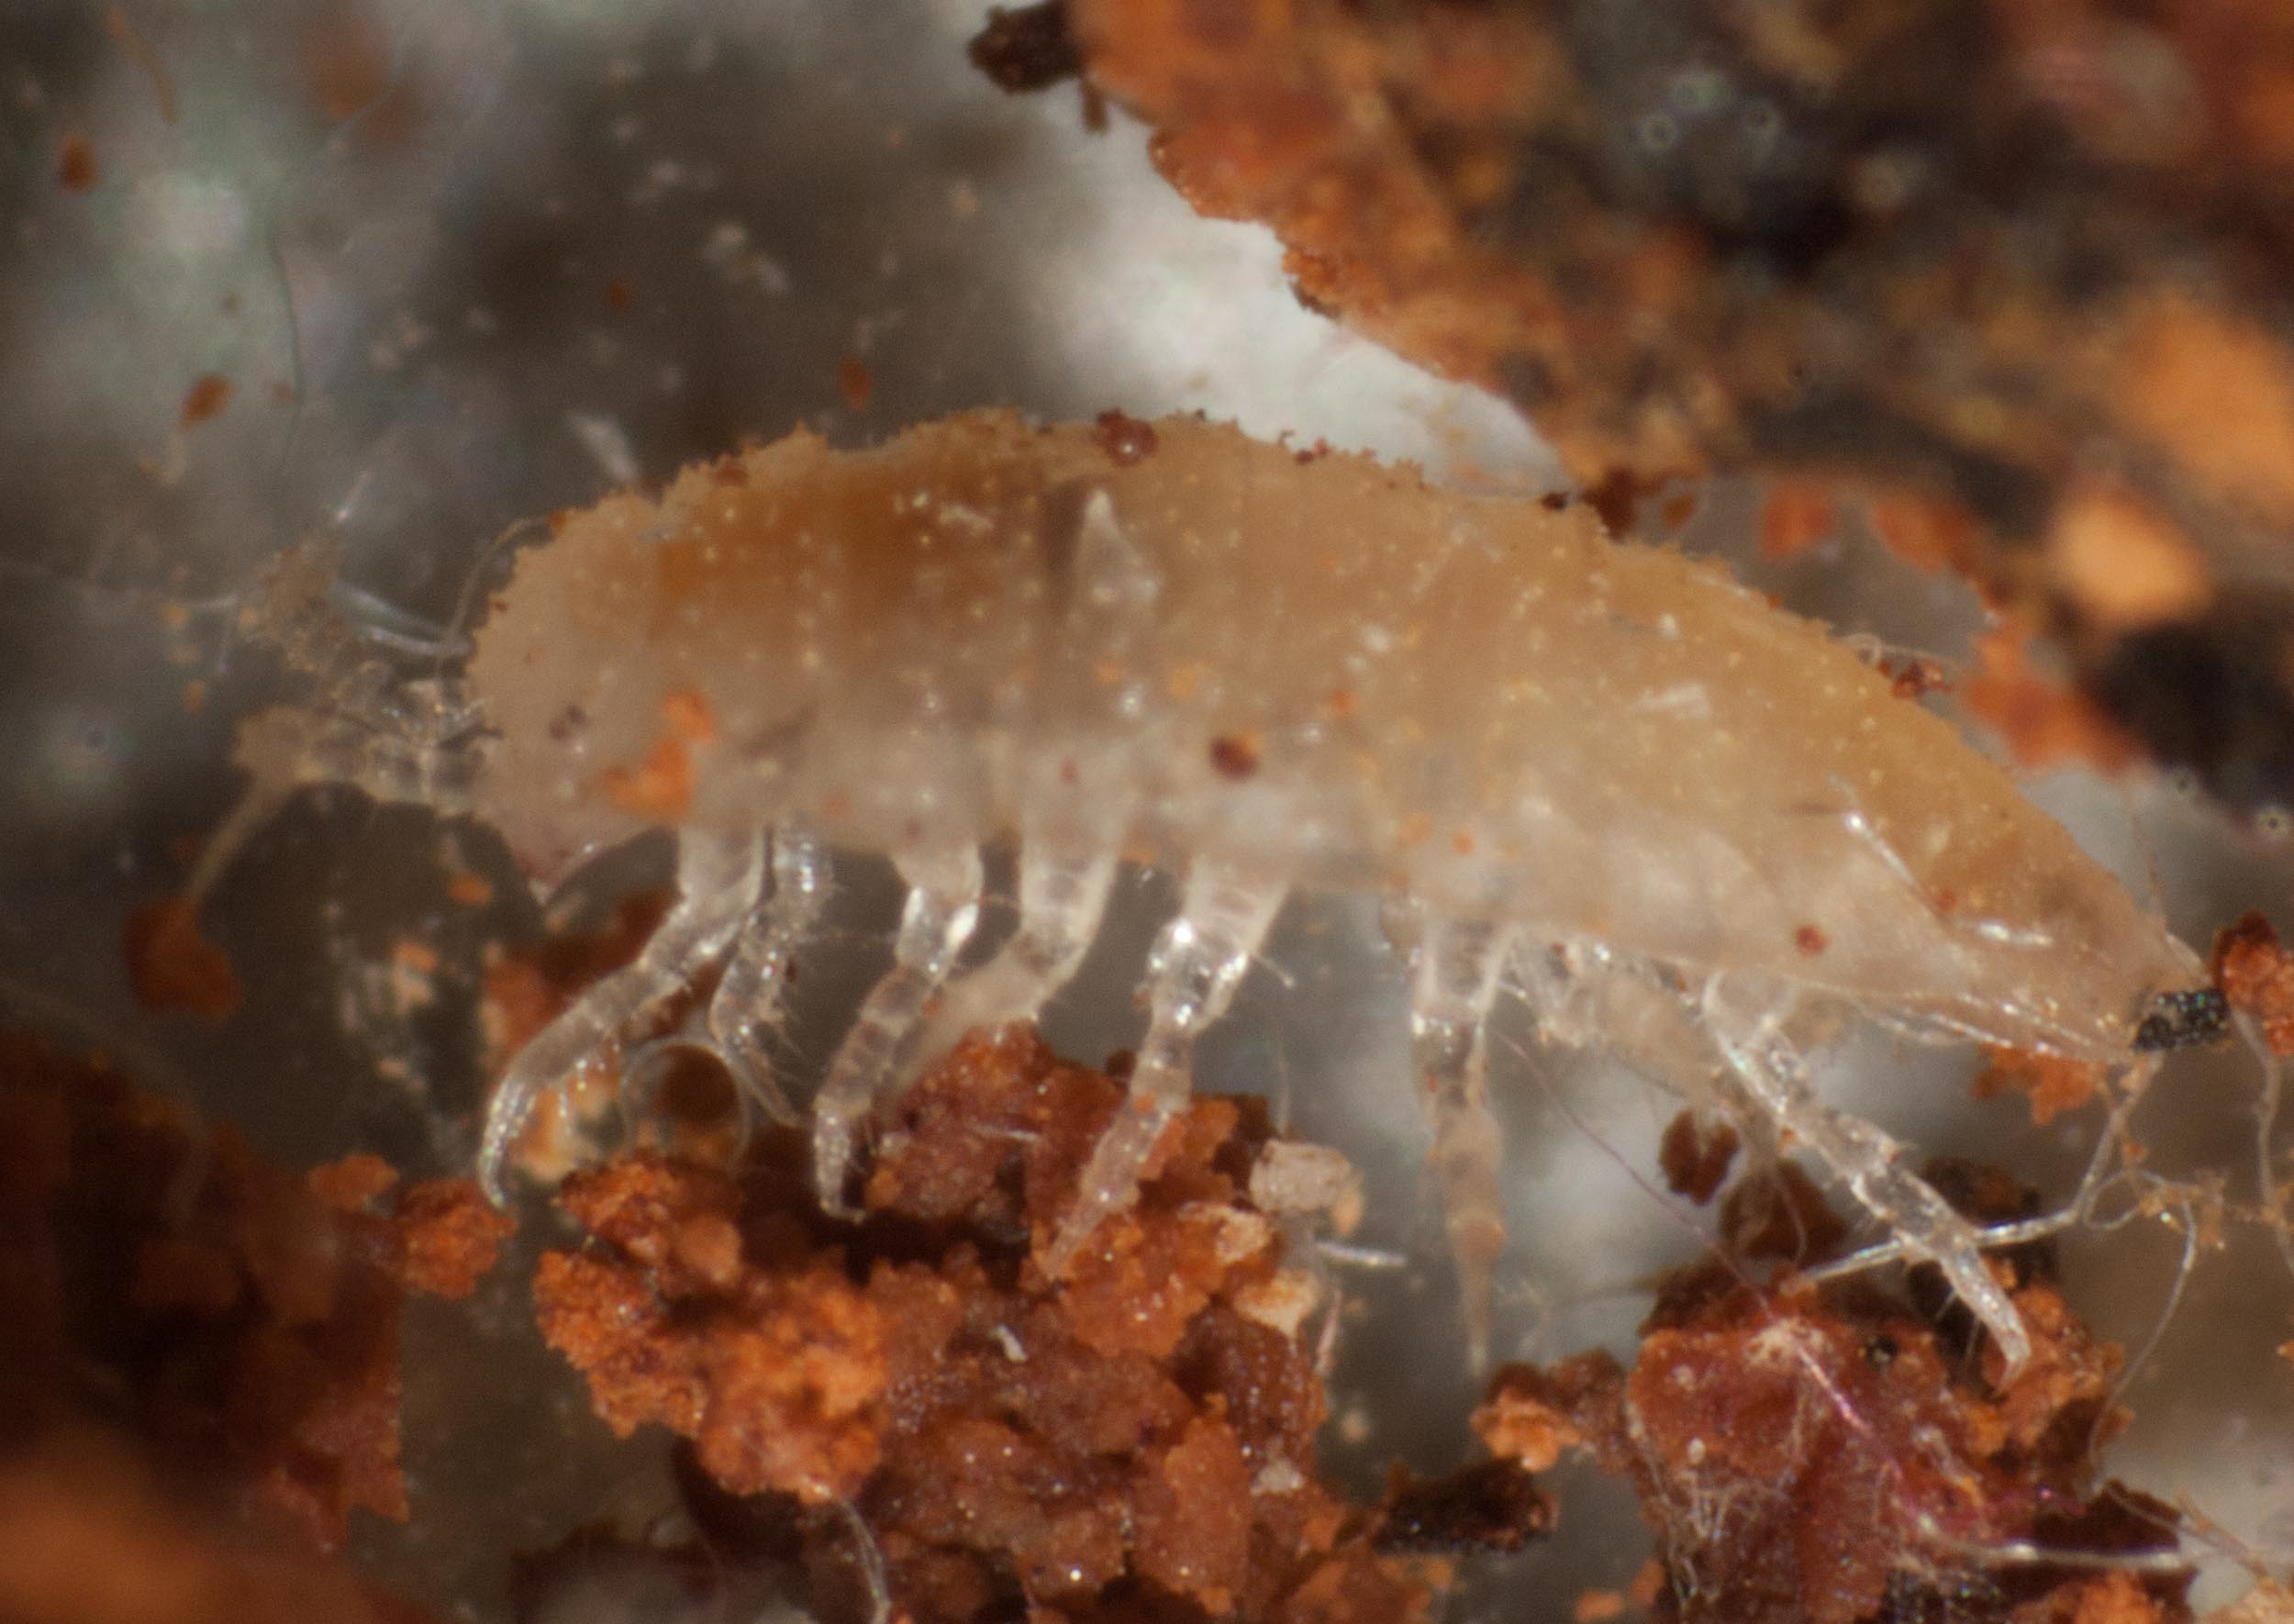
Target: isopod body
<point>1604,774</point>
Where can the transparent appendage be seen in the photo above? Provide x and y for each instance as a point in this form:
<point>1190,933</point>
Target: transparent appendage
<point>718,881</point>
<point>1746,1026</point>
<point>434,760</point>
<point>1198,961</point>
<point>1454,984</point>
<point>1062,894</point>
<point>751,1002</point>
<point>943,906</point>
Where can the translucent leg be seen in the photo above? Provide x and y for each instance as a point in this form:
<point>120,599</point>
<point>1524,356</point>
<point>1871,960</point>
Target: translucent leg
<point>943,907</point>
<point>749,1003</point>
<point>1197,963</point>
<point>1457,965</point>
<point>1864,1158</point>
<point>718,877</point>
<point>1063,892</point>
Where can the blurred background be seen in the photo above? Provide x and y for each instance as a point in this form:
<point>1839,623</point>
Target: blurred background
<point>398,273</point>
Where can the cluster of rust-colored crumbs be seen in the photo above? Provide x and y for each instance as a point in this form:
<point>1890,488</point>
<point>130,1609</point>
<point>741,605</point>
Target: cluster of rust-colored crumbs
<point>1849,1454</point>
<point>1134,1442</point>
<point>187,1326</point>
<point>2013,272</point>
<point>2256,973</point>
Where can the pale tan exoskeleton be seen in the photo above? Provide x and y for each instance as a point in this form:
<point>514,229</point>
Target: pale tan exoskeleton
<point>1684,825</point>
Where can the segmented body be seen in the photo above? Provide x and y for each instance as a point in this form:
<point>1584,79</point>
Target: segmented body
<point>1604,773</point>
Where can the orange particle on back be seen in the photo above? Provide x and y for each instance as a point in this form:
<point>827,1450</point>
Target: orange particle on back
<point>687,716</point>
<point>854,382</point>
<point>661,787</point>
<point>1916,676</point>
<point>1125,438</point>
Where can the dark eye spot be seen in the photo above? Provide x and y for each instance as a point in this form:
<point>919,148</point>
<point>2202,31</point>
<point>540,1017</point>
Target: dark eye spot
<point>2183,1020</point>
<point>1881,1351</point>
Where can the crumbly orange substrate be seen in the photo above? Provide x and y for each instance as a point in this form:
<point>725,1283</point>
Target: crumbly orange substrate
<point>1138,1436</point>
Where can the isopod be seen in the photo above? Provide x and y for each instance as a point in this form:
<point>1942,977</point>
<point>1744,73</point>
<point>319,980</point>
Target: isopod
<point>1682,824</point>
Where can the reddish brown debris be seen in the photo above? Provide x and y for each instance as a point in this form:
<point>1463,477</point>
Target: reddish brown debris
<point>1135,1443</point>
<point>173,966</point>
<point>76,168</point>
<point>1027,47</point>
<point>89,1534</point>
<point>1125,438</point>
<point>1836,1456</point>
<point>2054,1084</point>
<point>2256,972</point>
<point>2012,271</point>
<point>207,397</point>
<point>1536,1415</point>
<point>1696,1154</point>
<point>1917,677</point>
<point>1493,1505</point>
<point>242,1323</point>
<point>1778,1212</point>
<point>1821,1459</point>
<point>451,1237</point>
